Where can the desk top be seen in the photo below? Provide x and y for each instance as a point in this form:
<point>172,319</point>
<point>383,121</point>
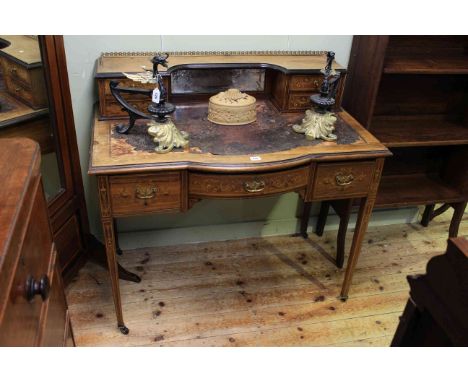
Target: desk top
<point>267,144</point>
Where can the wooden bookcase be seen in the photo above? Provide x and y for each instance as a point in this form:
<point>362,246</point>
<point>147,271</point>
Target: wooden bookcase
<point>411,92</point>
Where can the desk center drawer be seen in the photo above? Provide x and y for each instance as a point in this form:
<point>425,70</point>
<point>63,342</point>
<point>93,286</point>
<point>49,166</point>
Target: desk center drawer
<point>342,180</point>
<point>226,185</point>
<point>139,194</point>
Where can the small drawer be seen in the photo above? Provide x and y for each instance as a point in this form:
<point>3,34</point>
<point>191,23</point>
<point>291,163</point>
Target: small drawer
<point>140,194</point>
<point>16,72</point>
<point>111,108</point>
<point>226,186</point>
<point>302,82</point>
<point>299,101</point>
<point>19,90</point>
<point>125,83</point>
<point>337,180</point>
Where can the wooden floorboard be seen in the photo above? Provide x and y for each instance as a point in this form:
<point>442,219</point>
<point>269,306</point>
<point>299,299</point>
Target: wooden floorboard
<point>274,291</point>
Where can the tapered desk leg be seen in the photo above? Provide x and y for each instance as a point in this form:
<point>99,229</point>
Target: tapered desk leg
<point>117,246</point>
<point>344,214</point>
<point>365,211</point>
<point>427,215</point>
<point>322,218</point>
<point>109,240</point>
<point>305,219</point>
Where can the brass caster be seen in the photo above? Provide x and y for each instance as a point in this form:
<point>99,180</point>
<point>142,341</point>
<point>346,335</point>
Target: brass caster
<point>123,329</point>
<point>343,298</point>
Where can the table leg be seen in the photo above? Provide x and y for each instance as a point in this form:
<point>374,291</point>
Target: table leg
<point>345,213</point>
<point>365,211</point>
<point>427,215</point>
<point>322,218</point>
<point>458,211</point>
<point>305,219</point>
<point>119,250</point>
<point>109,241</point>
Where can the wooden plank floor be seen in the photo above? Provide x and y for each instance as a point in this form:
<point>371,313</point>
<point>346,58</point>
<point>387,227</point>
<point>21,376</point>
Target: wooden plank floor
<point>274,291</point>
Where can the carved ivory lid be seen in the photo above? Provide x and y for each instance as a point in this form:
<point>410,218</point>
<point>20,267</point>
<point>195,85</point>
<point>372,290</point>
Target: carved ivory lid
<point>232,97</point>
<point>232,107</point>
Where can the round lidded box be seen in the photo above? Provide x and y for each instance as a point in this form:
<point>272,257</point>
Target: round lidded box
<point>232,107</point>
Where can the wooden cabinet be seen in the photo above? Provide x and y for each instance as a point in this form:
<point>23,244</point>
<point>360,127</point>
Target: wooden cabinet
<point>33,309</point>
<point>34,74</point>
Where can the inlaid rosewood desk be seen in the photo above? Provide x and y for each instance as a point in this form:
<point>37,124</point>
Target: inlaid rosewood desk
<point>223,162</point>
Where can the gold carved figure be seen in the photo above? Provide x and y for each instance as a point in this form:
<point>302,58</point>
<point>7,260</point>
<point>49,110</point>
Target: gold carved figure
<point>167,136</point>
<point>317,126</point>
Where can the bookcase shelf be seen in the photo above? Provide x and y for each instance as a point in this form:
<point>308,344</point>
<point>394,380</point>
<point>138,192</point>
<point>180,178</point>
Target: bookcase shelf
<point>418,130</point>
<point>426,65</point>
<point>415,189</point>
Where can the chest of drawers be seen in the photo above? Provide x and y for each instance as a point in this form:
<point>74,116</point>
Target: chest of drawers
<point>33,309</point>
<point>22,71</point>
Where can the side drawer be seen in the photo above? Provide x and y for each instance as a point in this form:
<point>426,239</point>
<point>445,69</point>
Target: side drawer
<point>140,194</point>
<point>342,180</point>
<point>225,186</point>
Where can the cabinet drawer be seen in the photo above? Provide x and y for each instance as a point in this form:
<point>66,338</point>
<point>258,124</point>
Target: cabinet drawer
<point>299,101</point>
<point>15,71</point>
<point>336,180</point>
<point>19,90</point>
<point>303,82</point>
<point>21,321</point>
<point>224,186</point>
<point>139,194</point>
<point>111,108</point>
<point>124,83</point>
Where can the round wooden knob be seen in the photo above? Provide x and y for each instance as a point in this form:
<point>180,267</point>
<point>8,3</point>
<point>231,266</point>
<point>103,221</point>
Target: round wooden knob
<point>40,287</point>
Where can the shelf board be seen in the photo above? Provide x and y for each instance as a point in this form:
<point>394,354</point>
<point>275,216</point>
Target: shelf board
<point>413,190</point>
<point>426,65</point>
<point>408,131</point>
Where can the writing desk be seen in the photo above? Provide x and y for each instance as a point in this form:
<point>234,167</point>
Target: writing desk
<point>223,162</point>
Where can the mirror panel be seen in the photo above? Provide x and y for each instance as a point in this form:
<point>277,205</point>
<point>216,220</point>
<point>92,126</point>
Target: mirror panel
<point>24,105</point>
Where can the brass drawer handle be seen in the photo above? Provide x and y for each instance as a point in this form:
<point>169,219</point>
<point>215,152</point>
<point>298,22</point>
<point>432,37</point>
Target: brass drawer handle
<point>145,192</point>
<point>344,180</point>
<point>17,90</point>
<point>13,71</point>
<point>254,186</point>
<point>316,84</point>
